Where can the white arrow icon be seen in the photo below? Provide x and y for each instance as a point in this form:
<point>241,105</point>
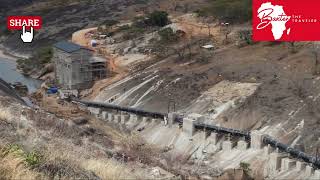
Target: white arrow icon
<point>27,37</point>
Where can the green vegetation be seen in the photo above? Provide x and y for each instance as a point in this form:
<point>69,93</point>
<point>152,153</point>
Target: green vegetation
<point>168,35</point>
<point>38,60</point>
<point>154,19</point>
<point>233,11</point>
<point>246,35</point>
<point>158,18</point>
<point>30,158</point>
<point>245,167</point>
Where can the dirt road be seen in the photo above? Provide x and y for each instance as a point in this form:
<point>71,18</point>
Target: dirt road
<point>80,38</point>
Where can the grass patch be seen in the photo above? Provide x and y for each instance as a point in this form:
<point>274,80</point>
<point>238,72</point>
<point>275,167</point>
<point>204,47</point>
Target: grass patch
<point>29,158</point>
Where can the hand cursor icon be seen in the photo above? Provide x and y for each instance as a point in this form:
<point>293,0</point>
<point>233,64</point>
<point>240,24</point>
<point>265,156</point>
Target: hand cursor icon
<point>27,37</point>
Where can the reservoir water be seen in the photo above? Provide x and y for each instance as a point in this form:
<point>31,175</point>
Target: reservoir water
<point>9,73</point>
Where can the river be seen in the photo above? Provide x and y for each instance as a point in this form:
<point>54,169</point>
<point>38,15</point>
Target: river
<point>9,73</point>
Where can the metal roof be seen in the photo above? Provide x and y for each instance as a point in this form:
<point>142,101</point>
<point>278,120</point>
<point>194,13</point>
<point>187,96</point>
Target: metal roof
<point>67,46</point>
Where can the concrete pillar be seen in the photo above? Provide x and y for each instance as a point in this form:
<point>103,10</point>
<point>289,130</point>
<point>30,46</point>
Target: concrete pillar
<point>188,126</point>
<point>301,165</point>
<point>213,138</point>
<point>242,145</point>
<point>203,136</point>
<point>117,118</point>
<point>267,150</point>
<point>133,118</point>
<point>110,116</point>
<point>95,111</point>
<point>104,115</point>
<point>287,164</point>
<point>275,161</point>
<point>145,120</point>
<point>309,171</point>
<point>316,174</point>
<point>227,145</point>
<point>171,118</point>
<point>256,139</point>
<point>124,118</point>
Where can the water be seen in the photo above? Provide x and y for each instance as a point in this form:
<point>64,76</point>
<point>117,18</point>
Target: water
<point>9,73</point>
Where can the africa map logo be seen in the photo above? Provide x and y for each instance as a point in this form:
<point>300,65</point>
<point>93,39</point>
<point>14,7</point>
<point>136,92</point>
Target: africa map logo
<point>286,20</point>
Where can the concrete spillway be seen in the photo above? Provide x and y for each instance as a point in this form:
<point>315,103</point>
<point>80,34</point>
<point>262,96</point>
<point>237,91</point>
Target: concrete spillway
<point>265,139</point>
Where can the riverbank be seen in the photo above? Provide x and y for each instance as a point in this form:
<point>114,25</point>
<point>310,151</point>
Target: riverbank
<point>9,54</point>
<point>4,54</point>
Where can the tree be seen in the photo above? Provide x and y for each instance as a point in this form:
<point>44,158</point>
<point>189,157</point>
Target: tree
<point>245,35</point>
<point>158,18</point>
<point>245,167</point>
<point>226,30</point>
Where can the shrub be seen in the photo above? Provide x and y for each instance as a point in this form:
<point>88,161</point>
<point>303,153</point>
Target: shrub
<point>30,159</point>
<point>44,54</point>
<point>37,60</point>
<point>167,35</point>
<point>158,18</point>
<point>109,23</point>
<point>245,167</point>
<point>246,35</point>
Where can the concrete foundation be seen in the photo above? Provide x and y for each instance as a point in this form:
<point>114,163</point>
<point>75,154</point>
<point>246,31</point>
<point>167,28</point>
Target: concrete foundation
<point>196,117</point>
<point>301,165</point>
<point>117,118</point>
<point>124,118</point>
<point>267,150</point>
<point>171,118</point>
<point>309,171</point>
<point>145,120</point>
<point>316,174</point>
<point>110,117</point>
<point>256,140</point>
<point>104,115</point>
<point>275,161</point>
<point>242,145</point>
<point>133,118</point>
<point>188,126</point>
<point>287,164</point>
<point>227,145</point>
<point>95,111</point>
<point>213,138</point>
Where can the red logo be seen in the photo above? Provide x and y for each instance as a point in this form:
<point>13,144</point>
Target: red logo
<point>17,22</point>
<point>286,20</point>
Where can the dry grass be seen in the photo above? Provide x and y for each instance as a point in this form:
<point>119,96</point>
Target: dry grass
<point>107,169</point>
<point>13,166</point>
<point>5,115</point>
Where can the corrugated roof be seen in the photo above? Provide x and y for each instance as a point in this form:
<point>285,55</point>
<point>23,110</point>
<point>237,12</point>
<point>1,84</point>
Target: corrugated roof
<point>67,46</point>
